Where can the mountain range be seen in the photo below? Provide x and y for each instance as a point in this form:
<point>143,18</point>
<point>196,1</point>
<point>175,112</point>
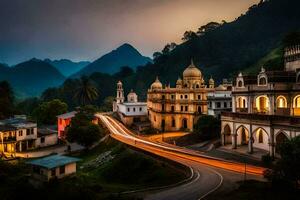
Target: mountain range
<point>67,67</point>
<point>125,55</point>
<point>28,79</point>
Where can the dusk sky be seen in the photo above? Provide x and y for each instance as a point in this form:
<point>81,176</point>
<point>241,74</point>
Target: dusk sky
<point>87,29</point>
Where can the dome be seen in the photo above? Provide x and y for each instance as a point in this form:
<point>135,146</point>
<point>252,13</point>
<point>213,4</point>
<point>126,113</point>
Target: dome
<point>179,81</point>
<point>211,81</point>
<point>132,97</point>
<point>221,87</point>
<point>157,84</point>
<point>192,71</point>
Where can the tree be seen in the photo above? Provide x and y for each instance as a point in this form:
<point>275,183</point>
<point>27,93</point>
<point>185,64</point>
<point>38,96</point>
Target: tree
<point>208,28</point>
<point>86,93</point>
<point>28,105</point>
<point>82,130</point>
<point>156,56</point>
<point>207,127</point>
<point>189,35</point>
<point>286,170</point>
<point>107,104</point>
<point>6,100</point>
<point>46,112</point>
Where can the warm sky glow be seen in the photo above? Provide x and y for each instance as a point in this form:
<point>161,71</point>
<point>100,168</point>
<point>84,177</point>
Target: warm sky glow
<point>86,29</point>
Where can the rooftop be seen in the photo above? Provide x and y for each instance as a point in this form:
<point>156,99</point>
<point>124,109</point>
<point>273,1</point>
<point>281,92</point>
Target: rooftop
<point>67,115</point>
<point>50,162</point>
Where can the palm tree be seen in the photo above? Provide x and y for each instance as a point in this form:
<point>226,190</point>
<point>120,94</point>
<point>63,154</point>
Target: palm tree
<point>86,91</point>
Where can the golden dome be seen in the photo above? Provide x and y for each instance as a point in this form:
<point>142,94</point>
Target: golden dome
<point>192,71</point>
<point>157,84</point>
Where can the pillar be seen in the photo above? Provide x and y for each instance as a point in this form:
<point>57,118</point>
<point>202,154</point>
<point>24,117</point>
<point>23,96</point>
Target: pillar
<point>250,143</point>
<point>20,146</point>
<point>234,137</point>
<point>272,143</point>
<point>233,108</point>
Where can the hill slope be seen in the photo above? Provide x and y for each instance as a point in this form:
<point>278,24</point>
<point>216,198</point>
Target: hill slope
<point>125,55</point>
<point>32,77</point>
<point>67,67</point>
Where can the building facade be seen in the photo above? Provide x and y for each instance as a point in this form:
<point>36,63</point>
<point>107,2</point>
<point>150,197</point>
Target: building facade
<point>265,108</point>
<point>131,111</point>
<point>173,109</point>
<point>220,99</point>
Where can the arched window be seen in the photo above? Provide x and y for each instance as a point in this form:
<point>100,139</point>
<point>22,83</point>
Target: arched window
<point>240,83</point>
<point>241,102</point>
<point>297,102</point>
<point>281,102</point>
<point>262,81</point>
<point>262,104</point>
<point>197,86</point>
<point>199,109</point>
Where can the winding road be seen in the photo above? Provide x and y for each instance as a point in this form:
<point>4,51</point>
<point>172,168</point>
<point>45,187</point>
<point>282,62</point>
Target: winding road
<point>208,173</point>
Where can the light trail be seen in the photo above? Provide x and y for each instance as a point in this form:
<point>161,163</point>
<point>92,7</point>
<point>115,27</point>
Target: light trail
<point>121,133</point>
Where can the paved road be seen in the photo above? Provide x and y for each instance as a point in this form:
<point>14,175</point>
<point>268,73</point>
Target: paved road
<point>207,171</point>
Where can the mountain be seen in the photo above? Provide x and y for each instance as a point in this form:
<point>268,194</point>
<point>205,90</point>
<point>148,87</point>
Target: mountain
<point>32,77</point>
<point>125,55</point>
<point>67,67</point>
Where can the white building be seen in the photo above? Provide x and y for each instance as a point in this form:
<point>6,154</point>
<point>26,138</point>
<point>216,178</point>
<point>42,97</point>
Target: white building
<point>219,100</point>
<point>132,111</point>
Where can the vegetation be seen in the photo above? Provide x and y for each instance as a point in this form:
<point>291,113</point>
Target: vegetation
<point>82,130</point>
<point>286,172</point>
<point>6,100</point>
<point>207,127</point>
<point>46,112</point>
<point>86,93</point>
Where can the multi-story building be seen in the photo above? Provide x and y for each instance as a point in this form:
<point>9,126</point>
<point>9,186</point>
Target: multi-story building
<point>265,108</point>
<point>17,134</point>
<point>172,109</point>
<point>219,100</point>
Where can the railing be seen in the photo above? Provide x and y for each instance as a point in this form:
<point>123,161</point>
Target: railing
<point>272,118</point>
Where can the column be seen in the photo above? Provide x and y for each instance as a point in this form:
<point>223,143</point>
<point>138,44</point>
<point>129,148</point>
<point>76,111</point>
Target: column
<point>271,99</point>
<point>250,143</point>
<point>233,108</point>
<point>20,146</point>
<point>234,137</point>
<point>271,142</point>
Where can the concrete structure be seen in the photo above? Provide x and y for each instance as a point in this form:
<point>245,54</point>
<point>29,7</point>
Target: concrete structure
<point>51,167</point>
<point>219,100</point>
<point>130,112</point>
<point>173,109</point>
<point>64,121</point>
<point>46,137</point>
<point>266,108</point>
<point>17,134</point>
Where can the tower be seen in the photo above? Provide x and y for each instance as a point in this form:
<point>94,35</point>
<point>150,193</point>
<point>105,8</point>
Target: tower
<point>120,96</point>
<point>292,58</point>
<point>120,93</point>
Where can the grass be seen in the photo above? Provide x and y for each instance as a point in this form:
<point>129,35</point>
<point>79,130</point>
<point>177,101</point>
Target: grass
<point>257,190</point>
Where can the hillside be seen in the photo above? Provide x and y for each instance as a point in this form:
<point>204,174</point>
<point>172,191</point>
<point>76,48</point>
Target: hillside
<point>125,55</point>
<point>230,48</point>
<point>28,79</point>
<point>67,67</point>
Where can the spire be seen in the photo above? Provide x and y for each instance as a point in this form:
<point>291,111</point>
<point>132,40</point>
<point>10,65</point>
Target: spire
<point>192,63</point>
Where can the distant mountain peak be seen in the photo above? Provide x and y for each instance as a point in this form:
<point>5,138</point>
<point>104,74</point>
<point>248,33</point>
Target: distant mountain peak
<point>124,55</point>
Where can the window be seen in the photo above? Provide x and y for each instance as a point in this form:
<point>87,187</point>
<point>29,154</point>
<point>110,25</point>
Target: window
<point>181,96</point>
<point>262,81</point>
<point>281,102</point>
<point>225,104</point>
<point>27,131</point>
<point>173,123</point>
<point>128,109</point>
<point>240,84</point>
<point>186,96</point>
<point>218,104</point>
<point>53,172</point>
<point>230,104</point>
<point>163,107</point>
<point>172,96</point>
<point>20,133</point>
<point>141,109</point>
<point>181,108</point>
<point>172,108</point>
<point>199,109</point>
<point>61,169</point>
<point>260,137</point>
<point>32,131</point>
<point>155,118</point>
<point>133,109</point>
<point>42,140</point>
<point>197,86</point>
<point>163,97</point>
<point>60,121</point>
<point>199,97</point>
<point>186,108</point>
